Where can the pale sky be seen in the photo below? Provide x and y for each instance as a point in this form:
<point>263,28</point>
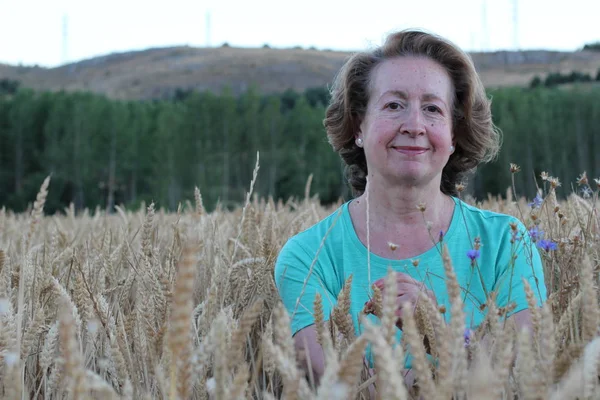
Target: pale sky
<point>31,31</point>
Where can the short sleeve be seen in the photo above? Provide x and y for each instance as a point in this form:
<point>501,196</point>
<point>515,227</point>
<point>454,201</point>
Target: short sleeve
<point>298,280</point>
<point>518,259</point>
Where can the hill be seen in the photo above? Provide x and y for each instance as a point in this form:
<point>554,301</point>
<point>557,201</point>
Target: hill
<point>159,72</point>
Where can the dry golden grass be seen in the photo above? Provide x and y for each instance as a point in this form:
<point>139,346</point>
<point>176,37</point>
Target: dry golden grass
<point>151,305</point>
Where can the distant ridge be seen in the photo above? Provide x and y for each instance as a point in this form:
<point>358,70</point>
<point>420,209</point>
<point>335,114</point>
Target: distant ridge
<point>159,72</point>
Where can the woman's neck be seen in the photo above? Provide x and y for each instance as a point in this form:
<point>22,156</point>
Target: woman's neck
<point>394,216</point>
<point>394,208</point>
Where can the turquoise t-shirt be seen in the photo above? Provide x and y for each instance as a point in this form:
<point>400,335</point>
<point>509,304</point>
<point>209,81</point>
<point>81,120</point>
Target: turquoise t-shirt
<point>315,261</point>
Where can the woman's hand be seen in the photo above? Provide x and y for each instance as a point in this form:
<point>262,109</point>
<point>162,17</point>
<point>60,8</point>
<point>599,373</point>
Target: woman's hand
<point>408,291</point>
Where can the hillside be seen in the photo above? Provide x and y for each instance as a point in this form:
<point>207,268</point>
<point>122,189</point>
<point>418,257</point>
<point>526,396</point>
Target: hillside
<point>157,73</point>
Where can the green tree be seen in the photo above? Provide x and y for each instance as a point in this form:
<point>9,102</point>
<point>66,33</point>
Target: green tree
<point>169,166</point>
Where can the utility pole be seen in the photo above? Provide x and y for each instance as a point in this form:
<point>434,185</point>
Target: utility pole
<point>516,24</point>
<point>65,38</point>
<point>208,28</point>
<point>484,38</point>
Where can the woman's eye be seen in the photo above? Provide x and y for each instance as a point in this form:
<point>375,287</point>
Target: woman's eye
<point>433,109</point>
<point>393,106</point>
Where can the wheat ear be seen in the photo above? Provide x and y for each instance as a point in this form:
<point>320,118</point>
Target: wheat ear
<point>294,384</point>
<point>589,307</point>
<point>240,383</point>
<point>504,354</point>
<point>199,205</point>
<point>2,261</point>
<point>180,328</point>
<point>351,363</point>
<point>319,317</point>
<point>388,316</point>
<point>481,374</point>
<point>580,382</point>
<point>533,309</point>
<point>419,363</point>
<point>341,311</point>
<point>389,364</point>
<point>530,381</point>
<point>38,211</point>
<point>547,345</point>
<point>457,327</point>
<point>238,340</point>
<point>74,367</point>
<point>429,320</point>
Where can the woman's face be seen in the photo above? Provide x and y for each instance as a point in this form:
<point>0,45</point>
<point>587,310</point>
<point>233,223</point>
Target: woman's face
<point>407,128</point>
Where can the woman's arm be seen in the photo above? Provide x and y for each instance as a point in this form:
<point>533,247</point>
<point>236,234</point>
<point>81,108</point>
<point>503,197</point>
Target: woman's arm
<point>521,319</point>
<point>310,353</point>
<point>312,359</point>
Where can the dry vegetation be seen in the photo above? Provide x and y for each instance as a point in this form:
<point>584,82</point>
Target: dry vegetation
<point>150,304</point>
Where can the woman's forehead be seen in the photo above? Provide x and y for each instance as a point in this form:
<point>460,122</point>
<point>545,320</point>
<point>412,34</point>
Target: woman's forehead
<point>412,75</point>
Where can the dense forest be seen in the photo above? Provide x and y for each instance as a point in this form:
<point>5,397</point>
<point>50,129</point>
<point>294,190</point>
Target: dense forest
<point>101,152</point>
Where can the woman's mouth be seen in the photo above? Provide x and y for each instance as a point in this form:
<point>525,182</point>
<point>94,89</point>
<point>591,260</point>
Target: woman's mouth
<point>410,150</point>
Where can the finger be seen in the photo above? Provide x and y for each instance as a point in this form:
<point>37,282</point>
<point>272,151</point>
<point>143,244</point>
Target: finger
<point>405,301</point>
<point>403,288</point>
<point>402,277</point>
<point>401,305</point>
<point>432,296</point>
<point>419,286</point>
<point>399,277</point>
<point>380,283</point>
<point>404,283</point>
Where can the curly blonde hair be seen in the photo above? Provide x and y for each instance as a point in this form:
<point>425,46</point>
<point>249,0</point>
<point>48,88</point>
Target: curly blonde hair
<point>477,139</point>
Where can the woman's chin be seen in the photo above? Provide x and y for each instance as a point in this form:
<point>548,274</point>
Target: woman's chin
<point>408,178</point>
<point>410,174</point>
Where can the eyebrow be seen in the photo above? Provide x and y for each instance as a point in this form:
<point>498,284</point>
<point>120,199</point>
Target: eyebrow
<point>402,94</point>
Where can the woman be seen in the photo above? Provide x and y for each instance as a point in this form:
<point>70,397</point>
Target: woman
<point>409,119</point>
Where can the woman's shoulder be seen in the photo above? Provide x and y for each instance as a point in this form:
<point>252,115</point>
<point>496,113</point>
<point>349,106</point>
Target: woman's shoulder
<point>309,239</point>
<point>318,241</point>
<point>493,225</point>
<point>478,214</point>
<point>499,233</point>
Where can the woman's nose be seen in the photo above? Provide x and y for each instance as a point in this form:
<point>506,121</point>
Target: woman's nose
<point>413,124</point>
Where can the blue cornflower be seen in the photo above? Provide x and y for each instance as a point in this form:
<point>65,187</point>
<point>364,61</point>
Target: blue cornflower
<point>473,254</point>
<point>536,233</point>
<point>468,334</point>
<point>547,245</point>
<point>537,201</point>
<point>586,192</point>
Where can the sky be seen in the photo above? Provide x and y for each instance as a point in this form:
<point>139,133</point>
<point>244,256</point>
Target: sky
<point>32,32</point>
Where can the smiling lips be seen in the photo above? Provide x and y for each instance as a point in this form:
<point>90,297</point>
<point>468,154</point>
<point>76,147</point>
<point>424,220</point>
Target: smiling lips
<point>410,150</point>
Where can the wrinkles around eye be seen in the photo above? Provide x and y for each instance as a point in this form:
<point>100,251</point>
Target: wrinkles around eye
<point>433,109</point>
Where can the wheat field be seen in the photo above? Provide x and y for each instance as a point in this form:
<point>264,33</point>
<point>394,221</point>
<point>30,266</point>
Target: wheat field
<point>157,305</point>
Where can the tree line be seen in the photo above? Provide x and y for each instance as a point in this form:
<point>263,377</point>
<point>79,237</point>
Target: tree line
<point>101,152</point>
<point>556,78</point>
